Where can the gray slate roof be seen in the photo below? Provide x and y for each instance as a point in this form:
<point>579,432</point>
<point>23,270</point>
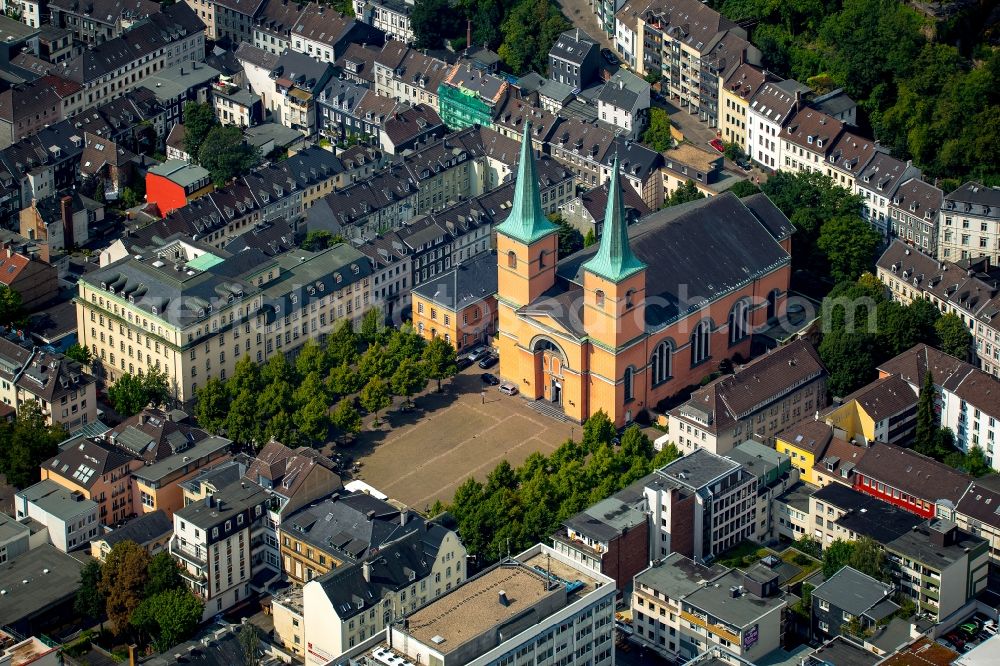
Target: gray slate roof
<point>854,592</point>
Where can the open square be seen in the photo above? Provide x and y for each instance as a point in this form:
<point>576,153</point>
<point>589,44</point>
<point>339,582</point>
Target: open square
<point>428,453</point>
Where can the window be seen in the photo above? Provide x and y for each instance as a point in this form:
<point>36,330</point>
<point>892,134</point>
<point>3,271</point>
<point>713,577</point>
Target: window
<point>599,298</point>
<point>512,259</point>
<point>700,343</point>
<point>628,380</point>
<point>542,259</point>
<point>660,363</point>
<point>739,325</point>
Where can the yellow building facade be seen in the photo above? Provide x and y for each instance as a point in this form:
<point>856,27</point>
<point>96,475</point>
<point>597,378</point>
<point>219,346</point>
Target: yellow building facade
<point>577,333</point>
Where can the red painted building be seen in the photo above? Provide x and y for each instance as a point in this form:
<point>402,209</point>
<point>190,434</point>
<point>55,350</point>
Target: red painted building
<point>910,481</point>
<point>174,183</point>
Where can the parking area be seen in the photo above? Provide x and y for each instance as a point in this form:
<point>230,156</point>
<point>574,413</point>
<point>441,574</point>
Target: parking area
<point>423,455</point>
<point>969,633</point>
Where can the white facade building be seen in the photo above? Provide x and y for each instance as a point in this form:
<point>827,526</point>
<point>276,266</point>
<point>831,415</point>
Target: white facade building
<point>71,518</point>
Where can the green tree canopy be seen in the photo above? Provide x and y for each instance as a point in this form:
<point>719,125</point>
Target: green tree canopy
<point>657,135</point>
<point>199,119</point>
<point>440,360</point>
<point>849,245</point>
<point>744,188</point>
<point>570,238</point>
<point>130,394</point>
<point>372,324</point>
<point>927,421</point>
<point>320,240</point>
<point>79,353</point>
<point>850,360</point>
<point>346,418</point>
<point>163,574</point>
<point>953,336</point>
<point>27,443</point>
<point>89,600</point>
<point>168,617</point>
<point>685,192</point>
<point>11,309</point>
<point>375,396</point>
<point>408,379</point>
<point>434,21</point>
<point>226,154</point>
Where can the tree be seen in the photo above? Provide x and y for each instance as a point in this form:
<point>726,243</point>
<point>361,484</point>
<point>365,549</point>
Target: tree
<point>320,239</point>
<point>657,135</point>
<point>590,238</point>
<point>836,556</point>
<point>11,309</point>
<point>953,336</point>
<point>975,462</point>
<point>131,198</point>
<point>375,397</point>
<point>313,419</point>
<point>346,418</point>
<point>927,423</point>
<point>199,119</point>
<point>598,429</point>
<point>212,405</point>
<point>79,353</point>
<point>433,21</point>
<point>408,379</point>
<point>744,188</point>
<point>123,581</point>
<point>372,324</point>
<point>169,617</point>
<point>225,154</point>
<point>868,557</point>
<point>89,601</point>
<point>685,192</point>
<point>529,30</point>
<point>131,393</point>
<point>249,641</point>
<point>241,424</point>
<point>440,360</point>
<point>162,574</point>
<point>849,245</point>
<point>570,238</point>
<point>850,359</point>
<point>28,442</point>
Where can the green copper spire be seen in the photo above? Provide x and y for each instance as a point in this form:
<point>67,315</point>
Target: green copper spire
<point>614,260</point>
<point>527,222</point>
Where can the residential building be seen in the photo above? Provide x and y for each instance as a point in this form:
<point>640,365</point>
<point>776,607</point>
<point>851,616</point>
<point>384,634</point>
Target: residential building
<point>701,505</point>
<point>965,288</point>
<point>939,566</point>
<point>624,357</point>
<point>807,139</point>
<point>775,475</point>
<point>407,128</point>
<point>407,75</point>
<point>33,279</point>
<point>916,483</point>
<point>976,513</point>
<point>356,601</point>
<point>681,608</point>
<point>972,214</point>
<point>325,34</point>
<point>963,395</point>
<point>850,599</point>
<point>272,30</point>
<point>26,108</point>
<point>231,20</point>
<point>213,479</point>
<point>61,222</point>
<point>15,538</point>
<point>297,81</point>
<point>216,543</point>
<point>638,166</point>
<point>562,613</point>
<point>236,106</point>
<point>686,162</point>
<point>770,109</point>
<point>544,95</point>
<point>736,88</point>
<point>152,531</point>
<point>848,158</point>
<point>758,400</point>
<point>575,59</point>
<point>460,304</point>
<point>838,512</point>
<point>390,16</point>
<point>610,537</point>
<point>287,609</point>
<point>581,147</point>
<point>295,478</point>
<point>586,211</point>
<point>183,315</point>
<point>883,411</point>
<point>69,517</point>
<point>101,20</point>
<point>624,103</point>
<point>913,218</point>
<point>99,472</point>
<point>822,453</point>
<point>258,65</point>
<point>63,391</point>
<point>792,511</point>
<point>341,530</point>
<point>876,183</point>
<point>155,485</point>
<point>469,96</point>
<point>173,184</point>
<point>337,110</point>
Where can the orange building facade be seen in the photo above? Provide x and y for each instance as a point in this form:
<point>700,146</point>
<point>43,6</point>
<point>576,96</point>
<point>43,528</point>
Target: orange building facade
<point>647,312</point>
<point>459,305</point>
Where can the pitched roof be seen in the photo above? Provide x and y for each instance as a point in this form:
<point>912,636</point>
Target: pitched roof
<point>573,45</point>
<point>142,530</point>
<point>773,102</point>
<point>853,591</point>
<point>884,397</point>
<point>319,23</point>
<point>85,461</point>
<point>920,199</point>
<point>688,21</point>
<point>248,53</point>
<point>359,60</point>
<point>153,435</point>
<point>596,202</point>
<point>752,387</point>
<point>283,469</point>
<point>745,80</point>
<point>410,123</point>
<point>623,90</point>
<point>813,130</point>
<point>11,267</point>
<point>809,434</point>
<point>467,283</point>
<point>614,260</point>
<point>913,473</point>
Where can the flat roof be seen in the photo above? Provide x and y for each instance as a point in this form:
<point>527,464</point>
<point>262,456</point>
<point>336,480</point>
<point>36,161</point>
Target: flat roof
<point>180,172</point>
<point>52,576</point>
<point>57,500</point>
<point>717,600</point>
<point>474,608</point>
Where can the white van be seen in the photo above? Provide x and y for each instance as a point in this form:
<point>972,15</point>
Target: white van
<point>508,388</point>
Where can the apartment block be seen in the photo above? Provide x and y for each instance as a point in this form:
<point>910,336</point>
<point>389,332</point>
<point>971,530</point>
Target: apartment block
<point>64,392</point>
<point>701,505</point>
<point>69,517</point>
<point>217,544</point>
<point>757,400</point>
<point>850,596</point>
<point>681,609</point>
<point>972,215</point>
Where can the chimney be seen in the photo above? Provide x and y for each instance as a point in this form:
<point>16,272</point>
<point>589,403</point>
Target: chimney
<point>402,517</point>
<point>366,571</point>
<point>209,501</point>
<point>504,601</point>
<point>468,35</point>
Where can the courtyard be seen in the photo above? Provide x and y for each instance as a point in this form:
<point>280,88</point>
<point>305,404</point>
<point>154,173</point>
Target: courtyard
<point>424,454</point>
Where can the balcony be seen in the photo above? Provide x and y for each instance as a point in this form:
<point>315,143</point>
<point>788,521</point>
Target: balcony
<point>187,554</point>
<point>575,544</point>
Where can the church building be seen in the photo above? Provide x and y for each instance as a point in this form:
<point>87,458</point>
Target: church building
<point>649,310</point>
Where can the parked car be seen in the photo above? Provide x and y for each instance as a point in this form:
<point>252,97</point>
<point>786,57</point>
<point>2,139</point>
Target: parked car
<point>477,352</point>
<point>610,57</point>
<point>744,164</point>
<point>490,379</point>
<point>488,361</point>
<point>463,362</point>
<point>717,144</point>
<point>508,388</point>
